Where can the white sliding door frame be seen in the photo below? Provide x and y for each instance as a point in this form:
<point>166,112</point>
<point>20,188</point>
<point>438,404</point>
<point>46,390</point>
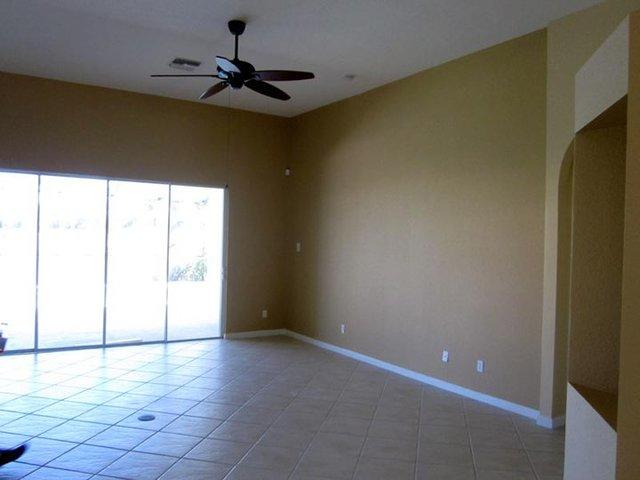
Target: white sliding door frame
<point>104,343</point>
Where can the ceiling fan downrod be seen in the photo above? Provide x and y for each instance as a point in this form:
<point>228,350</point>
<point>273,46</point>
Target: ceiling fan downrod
<point>236,27</point>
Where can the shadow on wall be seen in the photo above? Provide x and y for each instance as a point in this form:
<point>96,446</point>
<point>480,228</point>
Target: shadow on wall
<point>311,182</point>
<point>563,288</point>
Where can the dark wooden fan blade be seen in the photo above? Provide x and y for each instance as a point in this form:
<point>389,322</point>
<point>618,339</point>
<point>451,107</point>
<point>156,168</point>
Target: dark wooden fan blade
<point>227,65</point>
<point>266,89</point>
<point>187,75</point>
<point>282,75</point>
<point>218,87</point>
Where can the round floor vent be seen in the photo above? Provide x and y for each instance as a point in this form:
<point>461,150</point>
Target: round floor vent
<point>147,417</point>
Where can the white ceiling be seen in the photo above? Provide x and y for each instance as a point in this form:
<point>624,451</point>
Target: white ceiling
<point>118,43</point>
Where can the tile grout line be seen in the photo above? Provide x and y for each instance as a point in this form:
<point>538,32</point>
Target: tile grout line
<point>415,466</point>
<point>474,460</point>
<point>315,434</point>
<point>373,417</point>
<point>526,451</point>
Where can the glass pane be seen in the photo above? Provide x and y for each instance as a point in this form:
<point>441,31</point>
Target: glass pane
<point>137,261</point>
<point>18,234</point>
<point>71,262</point>
<point>195,262</point>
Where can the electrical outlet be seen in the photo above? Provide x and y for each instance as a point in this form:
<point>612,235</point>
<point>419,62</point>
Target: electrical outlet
<point>343,328</point>
<point>298,247</point>
<point>445,356</point>
<point>480,366</point>
<point>265,313</point>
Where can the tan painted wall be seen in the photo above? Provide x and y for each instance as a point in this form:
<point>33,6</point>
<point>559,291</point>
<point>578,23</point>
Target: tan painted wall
<point>570,42</point>
<point>596,263</point>
<point>420,207</point>
<point>61,127</point>
<point>629,385</point>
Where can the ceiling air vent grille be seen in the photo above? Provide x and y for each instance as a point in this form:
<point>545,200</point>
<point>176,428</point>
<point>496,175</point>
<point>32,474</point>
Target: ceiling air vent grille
<point>184,64</point>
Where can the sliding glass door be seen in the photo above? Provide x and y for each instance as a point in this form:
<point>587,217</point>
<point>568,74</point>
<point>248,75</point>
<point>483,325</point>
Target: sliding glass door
<point>137,262</point>
<point>18,233</point>
<point>195,262</point>
<point>71,261</point>
<point>92,262</point>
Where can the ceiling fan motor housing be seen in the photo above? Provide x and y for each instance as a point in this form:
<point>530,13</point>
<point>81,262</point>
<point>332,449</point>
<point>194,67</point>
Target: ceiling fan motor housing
<point>236,27</point>
<point>235,81</point>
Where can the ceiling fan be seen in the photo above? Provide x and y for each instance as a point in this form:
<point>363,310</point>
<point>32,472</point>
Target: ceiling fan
<point>238,73</point>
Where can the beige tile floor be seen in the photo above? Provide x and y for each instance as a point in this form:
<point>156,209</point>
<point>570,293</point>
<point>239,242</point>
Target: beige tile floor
<point>266,409</point>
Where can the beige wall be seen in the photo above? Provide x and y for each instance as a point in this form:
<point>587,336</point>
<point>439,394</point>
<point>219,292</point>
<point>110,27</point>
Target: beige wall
<point>570,42</point>
<point>55,126</point>
<point>420,208</point>
<point>629,385</point>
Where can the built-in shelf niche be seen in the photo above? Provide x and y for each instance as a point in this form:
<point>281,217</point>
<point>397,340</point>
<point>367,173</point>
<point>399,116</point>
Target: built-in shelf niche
<point>596,262</point>
<point>596,258</point>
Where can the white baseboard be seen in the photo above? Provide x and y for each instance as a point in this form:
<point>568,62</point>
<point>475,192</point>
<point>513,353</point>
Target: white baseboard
<point>450,387</point>
<point>550,422</point>
<point>523,410</point>
<point>255,334</point>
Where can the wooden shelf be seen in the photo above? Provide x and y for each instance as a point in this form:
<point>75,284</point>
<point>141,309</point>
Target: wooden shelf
<point>604,403</point>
